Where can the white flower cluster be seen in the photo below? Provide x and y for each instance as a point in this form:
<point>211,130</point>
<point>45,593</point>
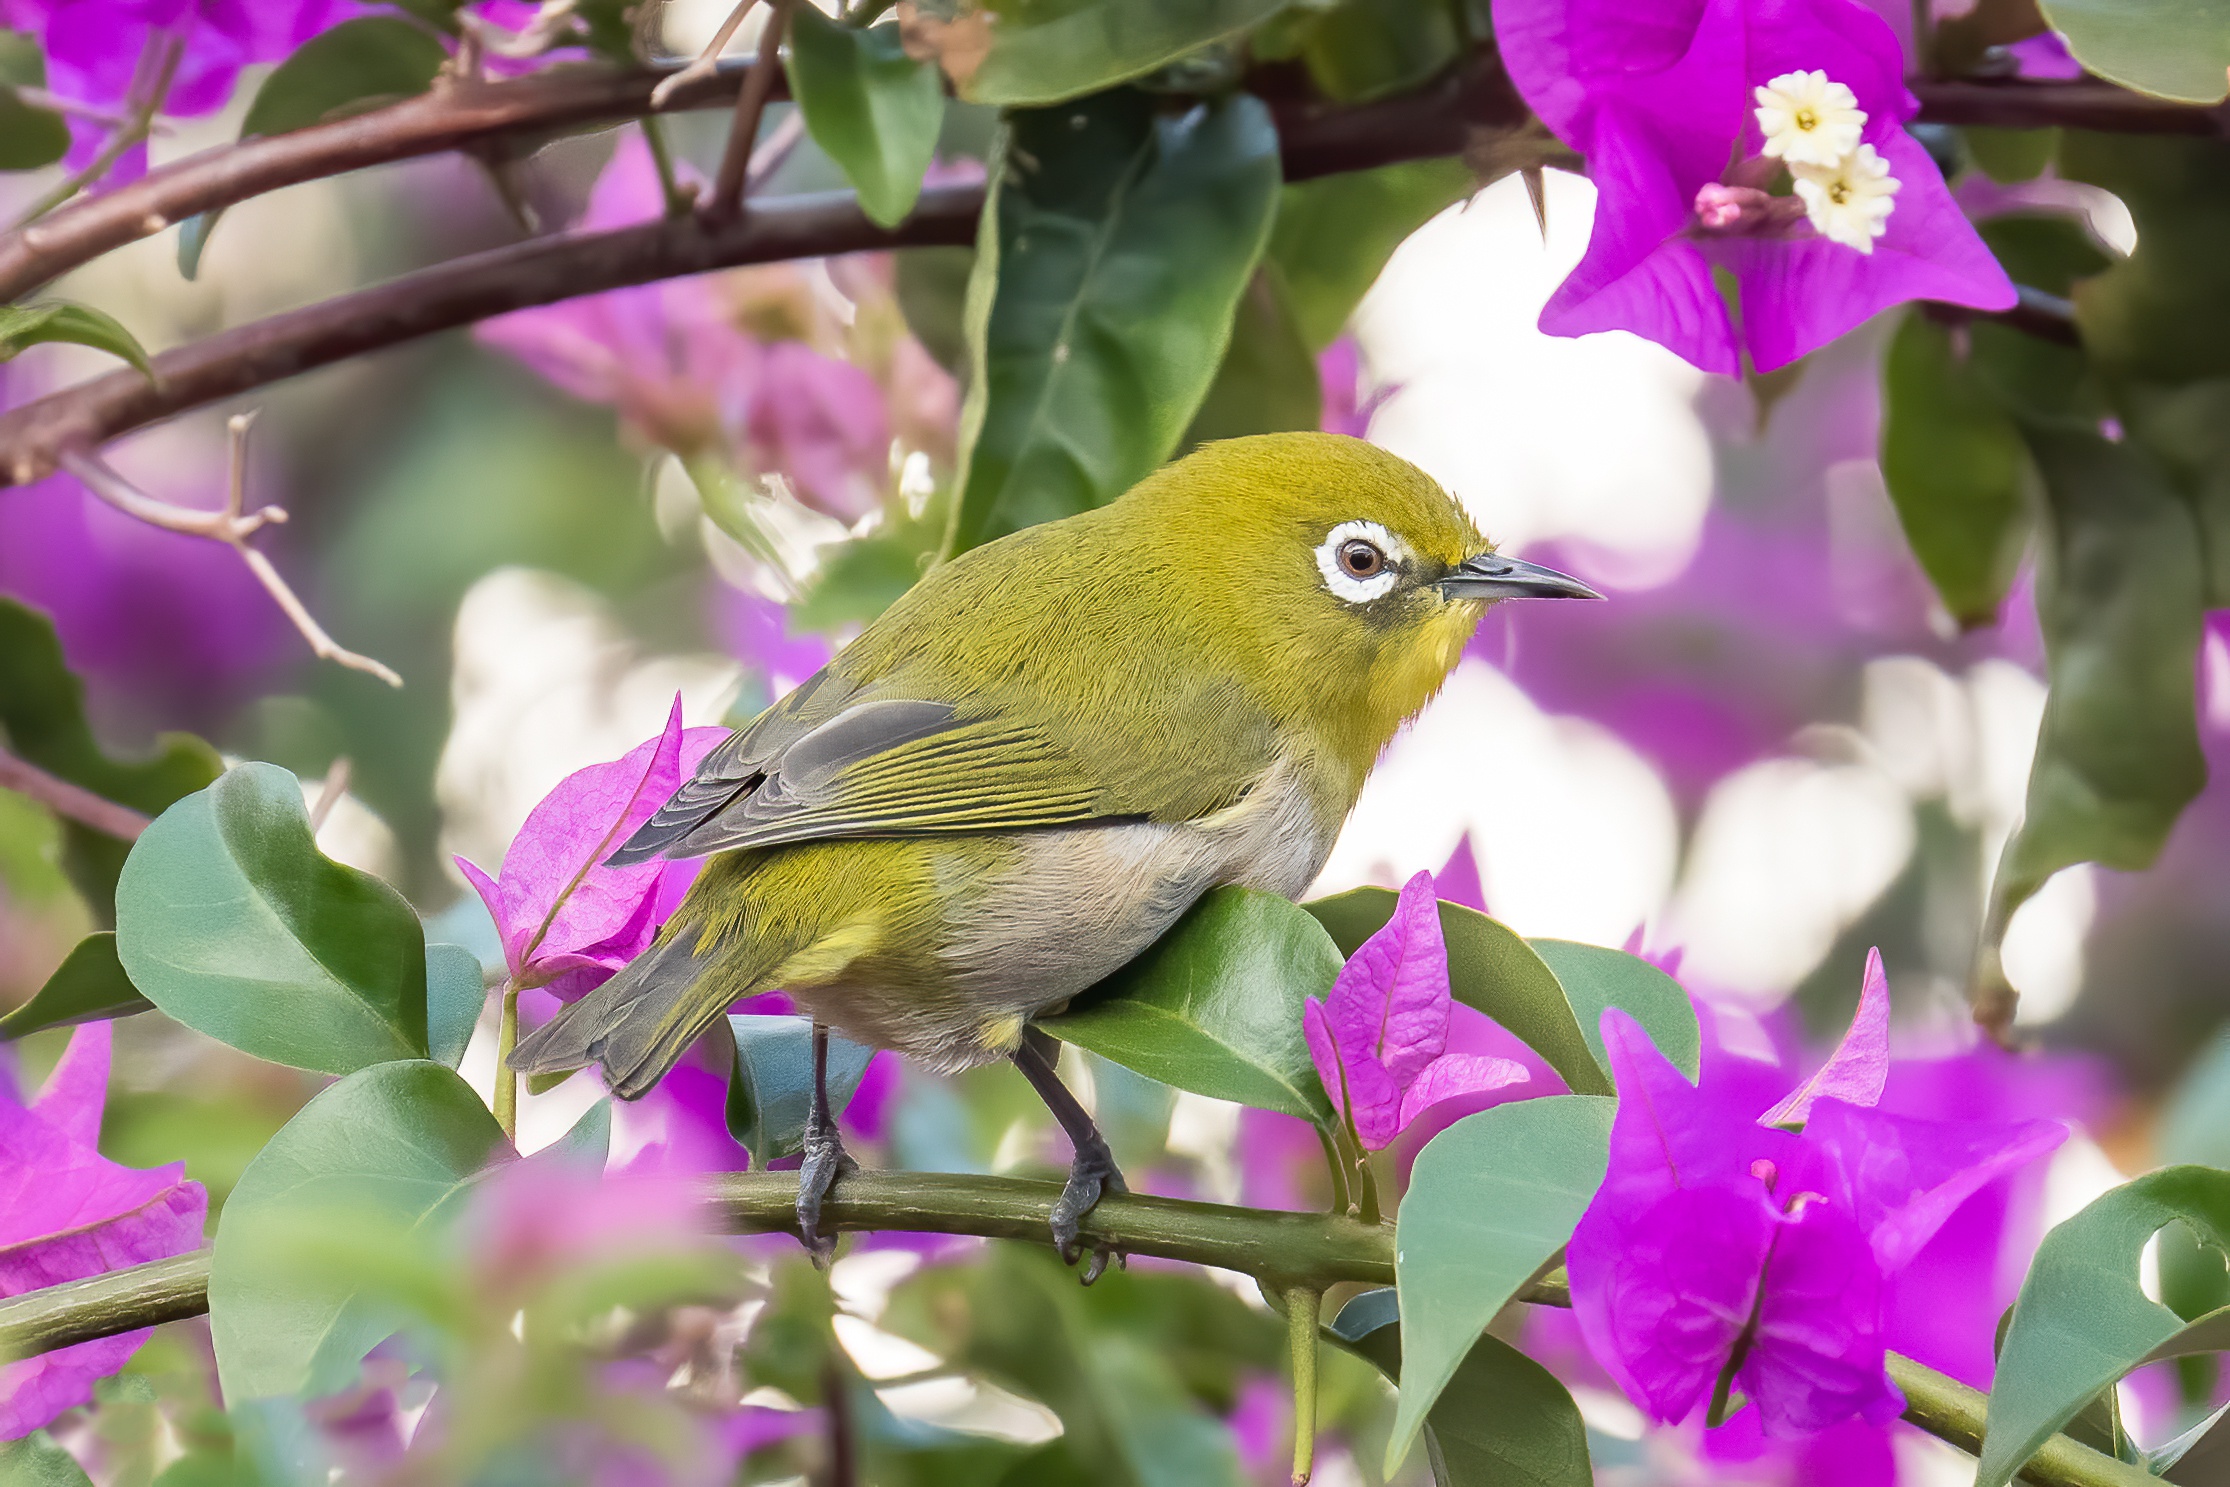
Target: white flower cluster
<point>1814,124</point>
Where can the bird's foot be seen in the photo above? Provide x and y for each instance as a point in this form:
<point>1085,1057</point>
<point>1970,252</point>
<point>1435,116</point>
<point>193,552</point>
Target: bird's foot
<point>825,1161</point>
<point>1092,1176</point>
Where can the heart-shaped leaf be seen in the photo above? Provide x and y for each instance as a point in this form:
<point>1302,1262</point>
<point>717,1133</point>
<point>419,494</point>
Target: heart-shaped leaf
<point>88,986</point>
<point>232,921</point>
<point>874,109</point>
<point>1215,1005</point>
<point>1491,1200</point>
<point>393,1145</point>
<point>770,1091</point>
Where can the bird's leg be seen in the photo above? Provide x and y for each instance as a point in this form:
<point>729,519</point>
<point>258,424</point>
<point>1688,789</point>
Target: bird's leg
<point>825,1157</point>
<point>1093,1173</point>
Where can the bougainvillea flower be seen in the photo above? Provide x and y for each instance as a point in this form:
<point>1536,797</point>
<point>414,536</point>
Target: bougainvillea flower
<point>567,921</point>
<point>67,1212</point>
<point>1858,1070</point>
<point>1816,237</point>
<point>1723,1256</point>
<point>1379,1039</point>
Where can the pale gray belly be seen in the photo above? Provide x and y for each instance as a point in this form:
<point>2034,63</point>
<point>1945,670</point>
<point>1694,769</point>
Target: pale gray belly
<point>1080,902</point>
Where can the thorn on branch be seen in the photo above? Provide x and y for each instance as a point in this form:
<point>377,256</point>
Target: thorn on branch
<point>708,60</point>
<point>73,802</point>
<point>751,105</point>
<point>233,526</point>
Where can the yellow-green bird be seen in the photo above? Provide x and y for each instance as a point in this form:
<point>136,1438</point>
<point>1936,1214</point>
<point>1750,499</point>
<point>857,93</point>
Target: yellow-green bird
<point>1029,767</point>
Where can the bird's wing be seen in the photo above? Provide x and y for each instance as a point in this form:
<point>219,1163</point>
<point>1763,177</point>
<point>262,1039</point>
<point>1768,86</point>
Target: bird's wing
<point>838,761</point>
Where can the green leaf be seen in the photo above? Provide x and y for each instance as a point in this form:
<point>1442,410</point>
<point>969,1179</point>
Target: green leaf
<point>1116,240</point>
<point>1502,1421</point>
<point>2118,597</point>
<point>1491,1200</point>
<point>89,986</point>
<point>587,1142</point>
<point>1365,49</point>
<point>23,326</point>
<point>2188,427</point>
<point>42,711</point>
<point>1489,968</point>
<point>2009,155</point>
<point>2083,1319</point>
<point>932,288</point>
<point>1215,1005</point>
<point>1045,51</point>
<point>2047,253</point>
<point>1957,469</point>
<point>874,109</point>
<point>1335,234</point>
<point>30,137</point>
<point>37,1460</point>
<point>770,1086</point>
<point>2163,313</point>
<point>391,1146</point>
<point>455,994</point>
<point>1267,382</point>
<point>355,66</point>
<point>2172,48</point>
<point>1595,977</point>
<point>232,921</point>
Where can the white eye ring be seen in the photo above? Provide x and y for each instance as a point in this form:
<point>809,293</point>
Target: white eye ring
<point>1345,584</point>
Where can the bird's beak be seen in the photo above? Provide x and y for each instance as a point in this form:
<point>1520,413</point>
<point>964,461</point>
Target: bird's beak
<point>1493,576</point>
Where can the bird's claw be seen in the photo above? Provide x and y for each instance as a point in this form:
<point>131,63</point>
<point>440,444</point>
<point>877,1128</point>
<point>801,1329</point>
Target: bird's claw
<point>825,1161</point>
<point>1091,1177</point>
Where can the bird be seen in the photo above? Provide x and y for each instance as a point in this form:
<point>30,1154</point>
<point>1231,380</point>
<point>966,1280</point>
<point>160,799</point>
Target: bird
<point>1027,769</point>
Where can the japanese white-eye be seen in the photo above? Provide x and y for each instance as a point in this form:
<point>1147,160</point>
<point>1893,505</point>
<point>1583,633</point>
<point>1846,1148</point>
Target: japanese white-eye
<point>1029,767</point>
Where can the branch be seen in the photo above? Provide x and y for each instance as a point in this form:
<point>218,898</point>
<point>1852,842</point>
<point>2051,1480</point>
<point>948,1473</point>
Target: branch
<point>73,801</point>
<point>1283,1248</point>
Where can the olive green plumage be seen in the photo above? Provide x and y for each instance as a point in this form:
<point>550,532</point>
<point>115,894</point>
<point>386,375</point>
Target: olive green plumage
<point>1030,766</point>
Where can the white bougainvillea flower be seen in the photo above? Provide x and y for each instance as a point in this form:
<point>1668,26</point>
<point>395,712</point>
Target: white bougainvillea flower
<point>1808,120</point>
<point>1849,202</point>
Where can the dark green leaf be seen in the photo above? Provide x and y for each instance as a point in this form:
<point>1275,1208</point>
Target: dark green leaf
<point>1957,469</point>
<point>2118,597</point>
<point>232,921</point>
<point>1489,968</point>
<point>933,296</point>
<point>2188,426</point>
<point>2163,313</point>
<point>22,326</point>
<point>1215,1005</point>
<point>1334,234</point>
<point>193,238</point>
<point>1044,51</point>
<point>874,109</point>
<point>42,710</point>
<point>858,580</point>
<point>89,986</point>
<point>36,1460</point>
<point>770,1087</point>
<point>1501,1421</point>
<point>389,1146</point>
<point>30,137</point>
<point>2083,1318</point>
<point>2012,154</point>
<point>2173,48</point>
<point>2043,252</point>
<point>455,993</point>
<point>1491,1200</point>
<point>1595,977</point>
<point>1115,243</point>
<point>1267,383</point>
<point>1364,49</point>
<point>355,66</point>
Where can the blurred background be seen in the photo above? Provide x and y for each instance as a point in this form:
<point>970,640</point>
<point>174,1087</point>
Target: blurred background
<point>1770,751</point>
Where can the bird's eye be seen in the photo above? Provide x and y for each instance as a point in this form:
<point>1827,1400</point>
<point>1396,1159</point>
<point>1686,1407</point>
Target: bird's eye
<point>1359,558</point>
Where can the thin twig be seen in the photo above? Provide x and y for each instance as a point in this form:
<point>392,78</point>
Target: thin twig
<point>751,106</point>
<point>72,801</point>
<point>229,526</point>
<point>330,792</point>
<point>707,61</point>
<point>133,129</point>
<point>768,157</point>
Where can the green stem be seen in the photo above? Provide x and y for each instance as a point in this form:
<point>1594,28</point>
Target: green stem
<point>507,1083</point>
<point>1338,1167</point>
<point>678,201</point>
<point>134,129</point>
<point>1302,1308</point>
<point>1298,1249</point>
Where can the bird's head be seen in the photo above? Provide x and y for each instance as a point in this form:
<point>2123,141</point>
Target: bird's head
<point>1349,574</point>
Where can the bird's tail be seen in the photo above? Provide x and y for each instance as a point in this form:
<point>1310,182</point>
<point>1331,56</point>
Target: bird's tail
<point>637,1024</point>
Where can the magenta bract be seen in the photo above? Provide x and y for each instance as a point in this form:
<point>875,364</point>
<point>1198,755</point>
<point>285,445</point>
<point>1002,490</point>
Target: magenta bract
<point>67,1212</point>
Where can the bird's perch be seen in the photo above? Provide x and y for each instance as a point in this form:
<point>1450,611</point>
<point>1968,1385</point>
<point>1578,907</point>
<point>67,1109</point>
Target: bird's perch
<point>1309,1250</point>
